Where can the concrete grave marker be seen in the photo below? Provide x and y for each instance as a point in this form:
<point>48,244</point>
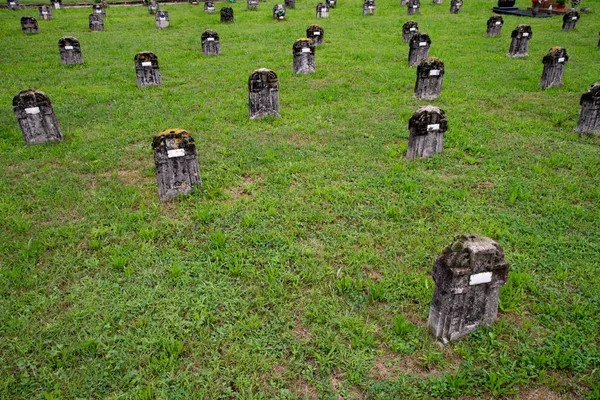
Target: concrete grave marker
<point>322,10</point>
<point>554,66</point>
<point>455,6</point>
<point>253,5</point>
<point>290,3</point>
<point>96,23</point>
<point>316,34</point>
<point>409,29</point>
<point>419,49</point>
<point>427,127</point>
<point>226,15</point>
<point>13,4</point>
<point>263,93</point>
<point>146,69</point>
<point>468,276</point>
<point>437,2</point>
<point>331,3</point>
<point>430,74</point>
<point>279,12</point>
<point>519,45</point>
<point>211,45</point>
<point>494,25</point>
<point>209,7</point>
<point>153,7</point>
<point>36,117</point>
<point>369,7</point>
<point>570,20</point>
<point>70,51</point>
<point>57,4</point>
<point>304,56</point>
<point>176,163</point>
<point>413,7</point>
<point>589,118</point>
<point>29,25</point>
<point>403,3</point>
<point>98,9</point>
<point>162,19</point>
<point>45,12</point>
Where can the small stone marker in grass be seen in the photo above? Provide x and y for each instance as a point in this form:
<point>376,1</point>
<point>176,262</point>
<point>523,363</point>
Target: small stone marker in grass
<point>409,29</point>
<point>146,69</point>
<point>211,45</point>
<point>162,19</point>
<point>468,276</point>
<point>153,7</point>
<point>331,3</point>
<point>430,74</point>
<point>96,23</point>
<point>304,56</point>
<point>29,25</point>
<point>209,7</point>
<point>57,4</point>
<point>316,33</point>
<point>427,127</point>
<point>279,12</point>
<point>70,51</point>
<point>519,45</point>
<point>494,25</point>
<point>413,7</point>
<point>290,3</point>
<point>369,7</point>
<point>36,117</point>
<point>98,9</point>
<point>226,14</point>
<point>589,118</point>
<point>322,10</point>
<point>176,163</point>
<point>253,5</point>
<point>554,66</point>
<point>263,93</point>
<point>45,12</point>
<point>455,6</point>
<point>437,2</point>
<point>403,3</point>
<point>419,49</point>
<point>570,20</point>
<point>13,4</point>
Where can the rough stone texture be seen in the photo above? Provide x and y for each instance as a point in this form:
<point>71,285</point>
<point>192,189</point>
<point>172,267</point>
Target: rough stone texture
<point>413,7</point>
<point>253,5</point>
<point>419,49</point>
<point>455,6</point>
<point>316,33</point>
<point>162,19</point>
<point>36,117</point>
<point>29,25</point>
<point>146,69</point>
<point>209,7</point>
<point>70,51</point>
<point>468,276</point>
<point>589,118</point>
<point>322,10</point>
<point>570,20</point>
<point>409,29</point>
<point>263,93</point>
<point>519,45</point>
<point>331,3</point>
<point>176,163</point>
<point>304,56</point>
<point>554,66</point>
<point>45,12</point>
<point>153,7</point>
<point>57,4</point>
<point>98,9</point>
<point>430,74</point>
<point>427,127</point>
<point>13,4</point>
<point>437,2</point>
<point>290,3</point>
<point>494,25</point>
<point>279,12</point>
<point>96,23</point>
<point>369,7</point>
<point>211,45</point>
<point>403,3</point>
<point>226,14</point>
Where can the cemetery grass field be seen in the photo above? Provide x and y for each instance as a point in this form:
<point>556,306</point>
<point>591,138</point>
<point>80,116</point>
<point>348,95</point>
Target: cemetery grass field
<point>302,267</point>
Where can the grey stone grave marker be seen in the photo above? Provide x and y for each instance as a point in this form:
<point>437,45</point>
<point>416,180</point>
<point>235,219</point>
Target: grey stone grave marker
<point>409,29</point>
<point>419,49</point>
<point>554,66</point>
<point>322,10</point>
<point>290,3</point>
<point>29,25</point>
<point>519,45</point>
<point>162,19</point>
<point>468,276</point>
<point>146,69</point>
<point>403,3</point>
<point>176,163</point>
<point>331,3</point>
<point>13,4</point>
<point>226,14</point>
<point>494,25</point>
<point>153,7</point>
<point>437,2</point>
<point>316,33</point>
<point>427,127</point>
<point>57,4</point>
<point>36,117</point>
<point>413,7</point>
<point>455,6</point>
<point>304,56</point>
<point>263,93</point>
<point>430,74</point>
<point>209,7</point>
<point>211,45</point>
<point>96,23</point>
<point>279,12</point>
<point>369,7</point>
<point>70,51</point>
<point>589,118</point>
<point>98,9</point>
<point>45,12</point>
<point>570,20</point>
<point>253,5</point>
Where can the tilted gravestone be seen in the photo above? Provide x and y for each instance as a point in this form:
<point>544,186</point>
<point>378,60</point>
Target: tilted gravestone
<point>437,2</point>
<point>419,48</point>
<point>162,19</point>
<point>331,3</point>
<point>226,14</point>
<point>13,4</point>
<point>316,33</point>
<point>554,66</point>
<point>494,25</point>
<point>96,23</point>
<point>57,4</point>
<point>427,127</point>
<point>519,45</point>
<point>369,7</point>
<point>29,25</point>
<point>589,118</point>
<point>36,117</point>
<point>279,12</point>
<point>70,51</point>
<point>455,6</point>
<point>211,45</point>
<point>263,93</point>
<point>409,29</point>
<point>290,3</point>
<point>322,10</point>
<point>153,7</point>
<point>253,5</point>
<point>45,12</point>
<point>304,56</point>
<point>413,7</point>
<point>98,9</point>
<point>570,20</point>
<point>176,163</point>
<point>468,276</point>
<point>146,69</point>
<point>430,74</point>
<point>209,7</point>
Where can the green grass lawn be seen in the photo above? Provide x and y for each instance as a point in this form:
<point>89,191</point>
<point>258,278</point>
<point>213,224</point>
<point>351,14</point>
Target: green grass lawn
<point>302,268</point>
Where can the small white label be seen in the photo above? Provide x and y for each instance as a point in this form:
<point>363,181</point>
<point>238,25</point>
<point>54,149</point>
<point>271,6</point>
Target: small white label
<point>147,64</point>
<point>98,11</point>
<point>478,279</point>
<point>162,18</point>
<point>68,47</point>
<point>561,60</point>
<point>574,18</point>
<point>415,6</point>
<point>498,23</point>
<point>525,34</point>
<point>280,17</point>
<point>412,29</point>
<point>210,39</point>
<point>44,12</point>
<point>12,4</point>
<point>433,127</point>
<point>32,110</point>
<point>176,153</point>
<point>316,33</point>
<point>371,7</point>
<point>434,72</point>
<point>306,50</point>
<point>422,44</point>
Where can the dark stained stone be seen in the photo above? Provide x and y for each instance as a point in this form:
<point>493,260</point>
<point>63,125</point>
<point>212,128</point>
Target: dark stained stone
<point>36,117</point>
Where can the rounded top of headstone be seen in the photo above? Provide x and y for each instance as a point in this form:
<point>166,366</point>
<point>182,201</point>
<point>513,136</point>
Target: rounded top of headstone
<point>520,29</point>
<point>31,97</point>
<point>432,63</point>
<point>322,5</point>
<point>172,139</point>
<point>67,39</point>
<point>424,119</point>
<point>495,18</point>
<point>315,27</point>
<point>568,16</point>
<point>258,76</point>
<point>411,23</point>
<point>472,254</point>
<point>419,38</point>
<point>593,94</point>
<point>145,56</point>
<point>97,7</point>
<point>210,33</point>
<point>162,13</point>
<point>555,54</point>
<point>301,43</point>
<point>226,10</point>
<point>27,19</point>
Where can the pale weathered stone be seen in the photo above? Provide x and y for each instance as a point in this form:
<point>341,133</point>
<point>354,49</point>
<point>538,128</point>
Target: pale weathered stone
<point>437,2</point>
<point>331,3</point>
<point>427,127</point>
<point>554,66</point>
<point>279,12</point>
<point>369,7</point>
<point>211,45</point>
<point>430,74</point>
<point>413,7</point>
<point>96,23</point>
<point>162,19</point>
<point>589,118</point>
<point>304,56</point>
<point>13,4</point>
<point>226,14</point>
<point>209,7</point>
<point>409,29</point>
<point>322,10</point>
<point>570,20</point>
<point>263,93</point>
<point>57,4</point>
<point>519,45</point>
<point>316,33</point>
<point>45,12</point>
<point>455,6</point>
<point>494,25</point>
<point>70,51</point>
<point>253,5</point>
<point>419,49</point>
<point>29,25</point>
<point>146,69</point>
<point>98,9</point>
<point>153,7</point>
<point>36,117</point>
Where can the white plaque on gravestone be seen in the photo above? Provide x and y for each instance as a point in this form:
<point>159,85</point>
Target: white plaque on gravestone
<point>498,23</point>
<point>162,18</point>
<point>525,34</point>
<point>415,6</point>
<point>433,127</point>
<point>434,72</point>
<point>147,64</point>
<point>317,33</point>
<point>574,18</point>
<point>561,60</point>
<point>422,44</point>
<point>412,29</point>
<point>176,153</point>
<point>478,279</point>
<point>306,49</point>
<point>32,110</point>
<point>210,39</point>
<point>68,47</point>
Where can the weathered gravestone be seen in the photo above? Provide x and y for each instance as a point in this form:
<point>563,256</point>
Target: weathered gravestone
<point>304,56</point>
<point>57,4</point>
<point>162,19</point>
<point>554,66</point>
<point>369,7</point>
<point>45,12</point>
<point>263,92</point>
<point>322,10</point>
<point>494,25</point>
<point>427,127</point>
<point>211,45</point>
<point>29,25</point>
<point>290,3</point>
<point>176,163</point>
<point>153,7</point>
<point>419,48</point>
<point>279,12</point>
<point>226,14</point>
<point>570,20</point>
<point>146,69</point>
<point>589,118</point>
<point>468,276</point>
<point>13,4</point>
<point>409,29</point>
<point>209,7</point>
<point>430,74</point>
<point>519,44</point>
<point>331,3</point>
<point>455,6</point>
<point>70,51</point>
<point>437,2</point>
<point>316,34</point>
<point>253,5</point>
<point>36,117</point>
<point>403,3</point>
<point>413,7</point>
<point>98,9</point>
<point>96,23</point>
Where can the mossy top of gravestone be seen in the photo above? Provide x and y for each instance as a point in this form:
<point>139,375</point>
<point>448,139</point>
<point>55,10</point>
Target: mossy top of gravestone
<point>569,15</point>
<point>555,53</point>
<point>520,30</point>
<point>592,95</point>
<point>31,98</point>
<point>145,56</point>
<point>418,38</point>
<point>68,40</point>
<point>432,63</point>
<point>458,255</point>
<point>494,18</point>
<point>411,24</point>
<point>255,82</point>
<point>301,43</point>
<point>209,33</point>
<point>421,119</point>
<point>181,137</point>
<point>315,27</point>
